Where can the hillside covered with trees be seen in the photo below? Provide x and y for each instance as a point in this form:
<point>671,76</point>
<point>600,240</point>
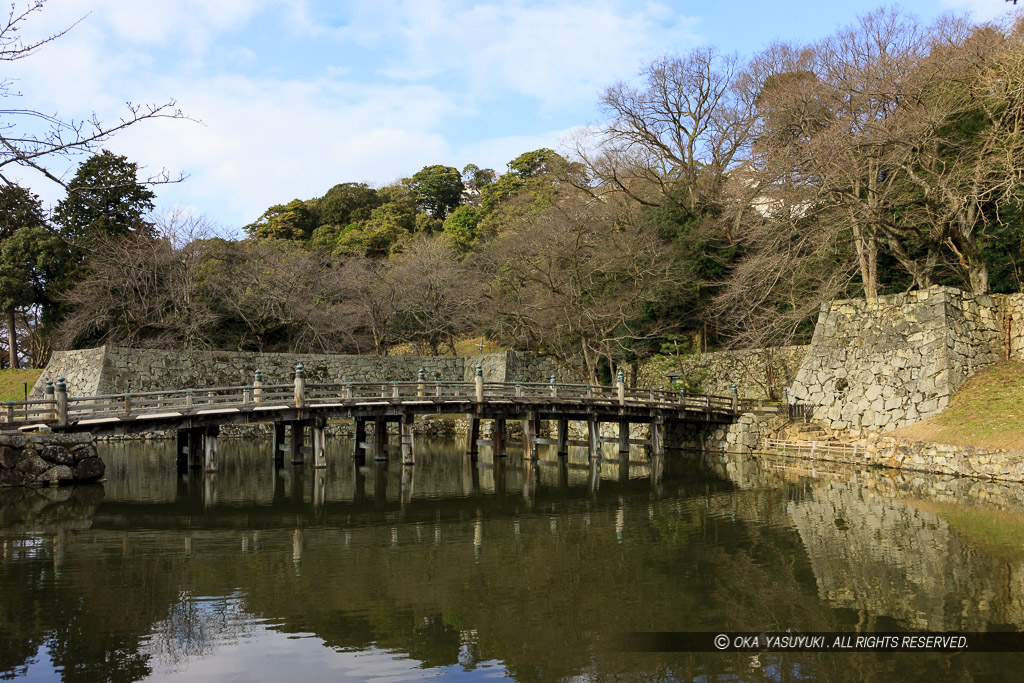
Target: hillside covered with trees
<point>719,203</point>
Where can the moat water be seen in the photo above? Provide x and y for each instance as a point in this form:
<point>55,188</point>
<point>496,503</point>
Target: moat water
<point>528,571</point>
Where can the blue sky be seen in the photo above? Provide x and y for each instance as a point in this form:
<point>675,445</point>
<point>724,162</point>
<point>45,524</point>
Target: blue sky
<point>294,96</point>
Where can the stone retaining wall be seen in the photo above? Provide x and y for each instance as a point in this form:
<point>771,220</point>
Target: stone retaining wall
<point>38,459</point>
<point>116,370</point>
<point>757,373</point>
<point>875,366</point>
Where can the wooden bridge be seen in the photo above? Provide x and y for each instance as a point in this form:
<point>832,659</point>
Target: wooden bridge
<point>197,414</point>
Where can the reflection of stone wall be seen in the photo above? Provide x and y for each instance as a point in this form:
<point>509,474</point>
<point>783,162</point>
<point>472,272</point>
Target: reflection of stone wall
<point>114,370</point>
<point>875,543</point>
<point>891,559</point>
<point>877,366</point>
<point>756,372</point>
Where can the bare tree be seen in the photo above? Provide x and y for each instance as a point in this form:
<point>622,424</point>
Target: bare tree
<point>574,282</point>
<point>128,298</point>
<point>677,135</point>
<point>375,301</point>
<point>440,296</point>
<point>283,296</point>
<point>964,147</point>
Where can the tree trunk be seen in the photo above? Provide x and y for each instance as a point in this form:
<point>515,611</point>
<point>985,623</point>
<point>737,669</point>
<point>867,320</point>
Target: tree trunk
<point>867,259</point>
<point>12,339</point>
<point>977,269</point>
<point>589,362</point>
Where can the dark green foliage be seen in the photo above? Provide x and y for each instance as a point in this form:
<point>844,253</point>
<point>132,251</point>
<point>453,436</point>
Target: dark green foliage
<point>292,221</point>
<point>105,199</point>
<point>19,208</point>
<point>438,190</point>
<point>476,178</point>
<point>348,203</point>
<point>462,227</point>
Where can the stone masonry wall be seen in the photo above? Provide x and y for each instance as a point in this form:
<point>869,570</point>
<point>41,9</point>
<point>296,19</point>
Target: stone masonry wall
<point>877,366</point>
<point>80,369</point>
<point>757,373</point>
<point>44,458</point>
<point>115,370</point>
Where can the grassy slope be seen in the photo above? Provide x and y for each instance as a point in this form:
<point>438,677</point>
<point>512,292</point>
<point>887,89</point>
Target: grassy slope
<point>987,411</point>
<point>11,387</point>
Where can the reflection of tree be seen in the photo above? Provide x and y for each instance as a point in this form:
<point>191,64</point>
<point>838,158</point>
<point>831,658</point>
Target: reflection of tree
<point>194,625</point>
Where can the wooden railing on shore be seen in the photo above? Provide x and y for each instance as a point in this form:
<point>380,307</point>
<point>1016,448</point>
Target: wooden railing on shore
<point>60,409</point>
<point>811,448</point>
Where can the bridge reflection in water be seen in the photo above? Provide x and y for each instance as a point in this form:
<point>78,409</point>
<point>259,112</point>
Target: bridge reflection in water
<point>521,568</point>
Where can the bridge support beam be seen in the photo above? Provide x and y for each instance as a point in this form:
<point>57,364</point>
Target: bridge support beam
<point>531,425</point>
<point>181,451</point>
<point>359,436</point>
<point>594,434</point>
<point>658,437</point>
<point>472,436</point>
<point>408,484</point>
<point>210,448</point>
<point>498,437</point>
<point>277,446</point>
<point>195,448</point>
<point>380,440</point>
<point>563,437</point>
<point>297,441</point>
<point>319,430</point>
<point>408,452</point>
<point>624,437</point>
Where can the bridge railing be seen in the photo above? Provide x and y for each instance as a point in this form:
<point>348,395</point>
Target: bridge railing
<point>58,407</point>
<point>37,410</point>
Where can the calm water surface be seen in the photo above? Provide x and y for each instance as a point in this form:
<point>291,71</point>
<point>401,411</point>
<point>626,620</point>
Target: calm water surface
<point>496,570</point>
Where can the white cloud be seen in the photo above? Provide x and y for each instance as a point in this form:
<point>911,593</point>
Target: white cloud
<point>411,76</point>
<point>555,52</point>
<point>981,10</point>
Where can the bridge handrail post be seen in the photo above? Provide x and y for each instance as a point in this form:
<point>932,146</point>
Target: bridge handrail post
<point>519,389</point>
<point>421,376</point>
<point>48,397</point>
<point>394,390</point>
<point>348,389</point>
<point>620,387</point>
<point>246,395</point>
<point>437,391</point>
<point>554,386</point>
<point>62,402</point>
<point>300,386</point>
<point>735,398</point>
<point>478,380</point>
<point>127,404</point>
<point>189,399</point>
<point>257,386</point>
